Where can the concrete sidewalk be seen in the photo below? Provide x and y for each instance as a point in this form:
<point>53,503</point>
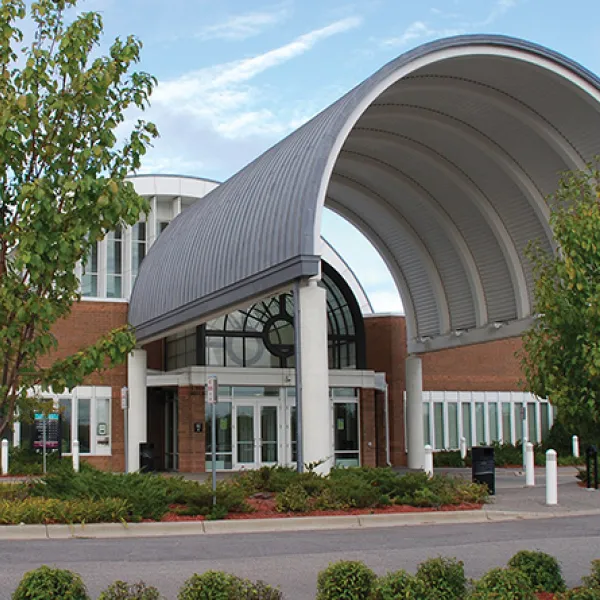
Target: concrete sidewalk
<point>513,501</point>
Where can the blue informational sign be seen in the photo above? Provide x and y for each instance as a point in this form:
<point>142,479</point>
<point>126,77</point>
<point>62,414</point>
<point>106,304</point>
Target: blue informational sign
<point>47,427</point>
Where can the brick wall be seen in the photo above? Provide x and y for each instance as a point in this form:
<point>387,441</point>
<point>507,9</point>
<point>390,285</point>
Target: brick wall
<point>87,322</point>
<point>191,444</point>
<point>156,355</point>
<point>483,367</point>
<point>368,429</point>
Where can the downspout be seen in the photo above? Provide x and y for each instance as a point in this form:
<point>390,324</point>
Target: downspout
<point>298,369</point>
<point>388,458</point>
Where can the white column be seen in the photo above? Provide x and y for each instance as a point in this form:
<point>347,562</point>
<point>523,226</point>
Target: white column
<point>137,430</point>
<point>317,428</point>
<point>429,460</point>
<point>414,413</point>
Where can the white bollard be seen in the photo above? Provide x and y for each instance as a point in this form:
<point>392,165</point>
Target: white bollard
<point>529,466</point>
<point>76,456</point>
<point>551,479</point>
<point>575,446</point>
<point>463,448</point>
<point>429,460</point>
<point>4,457</point>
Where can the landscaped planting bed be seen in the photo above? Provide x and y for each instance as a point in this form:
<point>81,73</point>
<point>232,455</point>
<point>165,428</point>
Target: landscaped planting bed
<point>94,496</point>
<point>528,576</point>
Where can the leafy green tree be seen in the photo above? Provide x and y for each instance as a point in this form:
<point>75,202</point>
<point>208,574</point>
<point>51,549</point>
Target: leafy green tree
<point>561,352</point>
<point>62,182</point>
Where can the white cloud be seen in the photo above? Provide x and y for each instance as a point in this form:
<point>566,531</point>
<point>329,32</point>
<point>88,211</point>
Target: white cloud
<point>202,111</point>
<point>241,27</point>
<point>421,30</point>
<point>386,301</point>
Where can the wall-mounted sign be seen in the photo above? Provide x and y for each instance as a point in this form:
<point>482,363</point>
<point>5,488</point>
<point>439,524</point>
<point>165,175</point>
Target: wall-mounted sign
<point>197,427</point>
<point>47,427</point>
<point>102,429</point>
<point>212,389</point>
<point>124,398</point>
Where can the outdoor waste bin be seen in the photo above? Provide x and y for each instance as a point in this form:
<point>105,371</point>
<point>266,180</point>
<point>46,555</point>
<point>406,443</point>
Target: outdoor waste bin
<point>483,465</point>
<point>147,457</point>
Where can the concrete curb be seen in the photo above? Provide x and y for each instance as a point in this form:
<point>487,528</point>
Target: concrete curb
<point>292,524</point>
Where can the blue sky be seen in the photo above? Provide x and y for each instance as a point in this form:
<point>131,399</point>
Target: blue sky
<point>235,76</point>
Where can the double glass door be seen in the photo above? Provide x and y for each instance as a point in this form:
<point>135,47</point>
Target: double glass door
<point>257,434</point>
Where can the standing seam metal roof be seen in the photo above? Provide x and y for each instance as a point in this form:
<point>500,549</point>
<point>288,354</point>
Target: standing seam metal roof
<point>442,158</point>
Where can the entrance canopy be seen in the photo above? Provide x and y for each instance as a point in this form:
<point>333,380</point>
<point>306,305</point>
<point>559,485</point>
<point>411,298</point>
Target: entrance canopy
<point>443,159</point>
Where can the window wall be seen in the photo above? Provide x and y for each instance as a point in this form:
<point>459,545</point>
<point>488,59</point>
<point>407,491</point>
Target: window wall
<point>483,418</point>
<point>263,334</point>
<point>85,414</point>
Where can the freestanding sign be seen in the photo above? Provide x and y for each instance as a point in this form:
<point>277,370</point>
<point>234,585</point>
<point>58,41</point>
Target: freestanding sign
<point>212,397</point>
<point>47,434</point>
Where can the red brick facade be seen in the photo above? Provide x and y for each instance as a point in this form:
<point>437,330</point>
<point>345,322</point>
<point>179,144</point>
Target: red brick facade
<point>484,367</point>
<point>191,443</point>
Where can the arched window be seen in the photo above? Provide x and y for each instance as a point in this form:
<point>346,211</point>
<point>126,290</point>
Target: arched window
<point>263,334</point>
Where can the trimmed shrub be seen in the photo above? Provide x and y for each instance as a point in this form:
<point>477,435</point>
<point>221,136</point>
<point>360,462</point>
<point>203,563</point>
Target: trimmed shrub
<point>443,578</point>
<point>50,584</point>
<point>448,458</point>
<point>26,461</point>
<point>50,510</point>
<point>263,591</point>
<point>293,499</point>
<point>231,497</point>
<point>502,584</point>
<point>345,580</point>
<point>542,570</point>
<point>120,590</point>
<point>399,585</point>
<point>212,585</point>
<point>581,593</point>
<point>593,579</point>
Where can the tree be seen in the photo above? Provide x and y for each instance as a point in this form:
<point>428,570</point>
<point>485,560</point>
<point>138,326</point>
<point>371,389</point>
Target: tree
<point>62,183</point>
<point>561,351</point>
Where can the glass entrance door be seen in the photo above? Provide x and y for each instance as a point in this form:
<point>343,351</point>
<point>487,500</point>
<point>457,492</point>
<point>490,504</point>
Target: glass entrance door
<point>257,434</point>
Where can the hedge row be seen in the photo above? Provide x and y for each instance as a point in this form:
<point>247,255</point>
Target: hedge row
<point>526,574</point>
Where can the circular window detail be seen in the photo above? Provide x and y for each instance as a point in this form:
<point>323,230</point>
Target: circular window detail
<point>278,335</point>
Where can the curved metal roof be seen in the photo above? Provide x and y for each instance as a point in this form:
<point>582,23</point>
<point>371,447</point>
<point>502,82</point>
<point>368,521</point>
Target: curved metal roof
<point>442,159</point>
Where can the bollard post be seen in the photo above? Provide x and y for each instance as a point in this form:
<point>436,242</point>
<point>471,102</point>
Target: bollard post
<point>76,456</point>
<point>429,460</point>
<point>551,479</point>
<point>529,466</point>
<point>4,457</point>
<point>463,448</point>
<point>575,446</point>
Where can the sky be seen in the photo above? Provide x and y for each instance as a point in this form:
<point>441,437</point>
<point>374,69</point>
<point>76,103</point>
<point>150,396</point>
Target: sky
<point>236,76</point>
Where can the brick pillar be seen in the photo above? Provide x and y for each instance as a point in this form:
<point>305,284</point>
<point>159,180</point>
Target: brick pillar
<point>118,432</point>
<point>368,433</point>
<point>380,428</point>
<point>191,444</point>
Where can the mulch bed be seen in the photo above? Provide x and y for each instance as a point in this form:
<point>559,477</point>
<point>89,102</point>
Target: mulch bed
<point>264,508</point>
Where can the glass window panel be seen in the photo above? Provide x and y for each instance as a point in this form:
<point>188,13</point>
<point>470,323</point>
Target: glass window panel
<point>493,420</point>
<point>506,426</point>
<point>215,353</point>
<point>294,432</point>
<point>224,439</point>
<point>545,409</point>
<point>66,423</point>
<point>518,412</point>
<point>103,422</point>
<point>344,392</point>
<point>89,279</point>
<point>426,424</point>
<point>453,424</point>
<point>532,422</point>
<point>245,434</point>
<point>346,426</point>
<point>466,423</point>
<point>257,355</point>
<point>268,434</point>
<point>438,425</point>
<point>480,423</point>
<point>235,352</point>
<point>83,425</point>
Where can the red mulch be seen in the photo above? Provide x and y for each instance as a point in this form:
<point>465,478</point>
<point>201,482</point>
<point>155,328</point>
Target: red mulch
<point>265,509</point>
<point>545,596</point>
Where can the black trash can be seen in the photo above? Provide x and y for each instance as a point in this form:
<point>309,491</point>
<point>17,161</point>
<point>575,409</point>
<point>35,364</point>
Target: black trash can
<point>147,457</point>
<point>483,466</point>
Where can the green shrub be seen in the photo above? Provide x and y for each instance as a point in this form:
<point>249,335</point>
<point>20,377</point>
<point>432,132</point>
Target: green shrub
<point>50,510</point>
<point>26,461</point>
<point>268,479</point>
<point>581,593</point>
<point>293,499</point>
<point>502,584</point>
<point>120,590</point>
<point>399,585</point>
<point>345,580</point>
<point>50,584</point>
<point>231,497</point>
<point>355,491</point>
<point>542,570</point>
<point>448,458</point>
<point>212,585</point>
<point>14,491</point>
<point>593,579</point>
<point>262,591</point>
<point>443,578</point>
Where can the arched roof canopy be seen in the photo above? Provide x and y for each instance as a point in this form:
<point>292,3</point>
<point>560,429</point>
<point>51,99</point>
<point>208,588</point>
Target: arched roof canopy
<point>443,159</point>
